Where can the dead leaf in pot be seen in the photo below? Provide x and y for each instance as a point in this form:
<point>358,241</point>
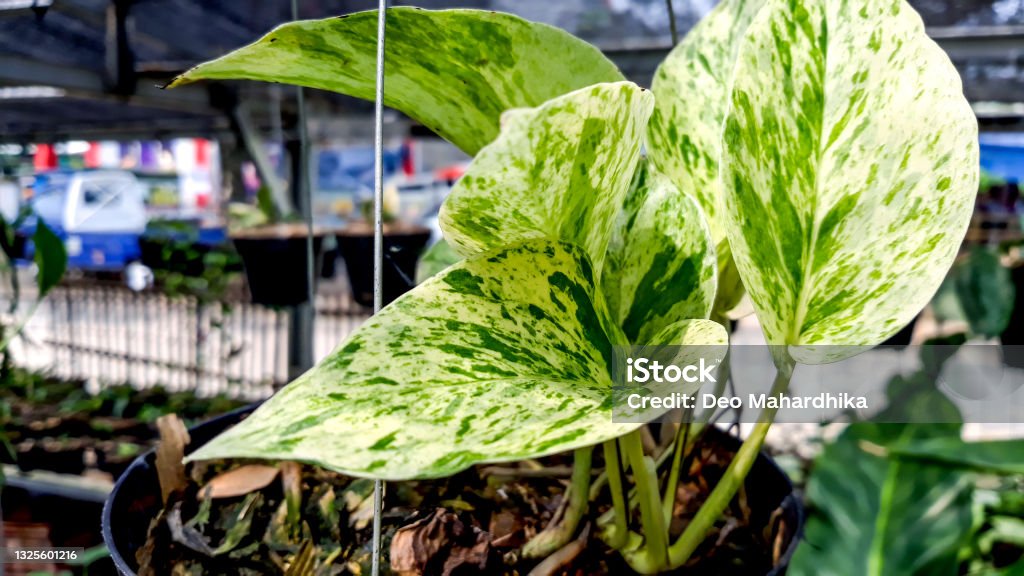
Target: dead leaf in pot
<point>506,529</point>
<point>291,485</point>
<point>473,556</point>
<point>144,555</point>
<point>170,454</point>
<point>239,481</point>
<point>416,544</point>
<point>440,543</point>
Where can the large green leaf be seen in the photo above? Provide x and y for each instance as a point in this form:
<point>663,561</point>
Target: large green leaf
<point>985,291</point>
<point>874,513</point>
<point>455,71</point>
<point>850,166</point>
<point>50,257</point>
<point>875,516</point>
<point>979,291</point>
<point>504,356</point>
<point>660,266</point>
<point>691,88</point>
<point>558,171</point>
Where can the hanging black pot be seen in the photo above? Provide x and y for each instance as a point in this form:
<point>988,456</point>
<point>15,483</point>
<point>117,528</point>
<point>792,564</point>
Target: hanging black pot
<point>402,248</point>
<point>135,500</point>
<point>275,262</point>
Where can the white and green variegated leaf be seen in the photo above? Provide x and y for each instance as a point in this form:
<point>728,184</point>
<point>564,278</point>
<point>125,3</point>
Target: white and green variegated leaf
<point>691,89</point>
<point>500,357</point>
<point>850,166</point>
<point>558,171</point>
<point>455,71</point>
<point>436,258</point>
<point>660,266</point>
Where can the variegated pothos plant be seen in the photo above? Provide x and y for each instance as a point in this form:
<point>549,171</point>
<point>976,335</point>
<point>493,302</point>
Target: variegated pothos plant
<point>816,154</point>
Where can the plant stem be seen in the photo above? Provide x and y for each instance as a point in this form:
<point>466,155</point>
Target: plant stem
<point>598,484</point>
<point>735,474</point>
<point>684,437</point>
<point>617,534</point>
<point>560,531</point>
<point>645,476</point>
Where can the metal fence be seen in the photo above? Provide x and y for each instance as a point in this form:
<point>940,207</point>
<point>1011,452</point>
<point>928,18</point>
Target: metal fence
<point>105,333</point>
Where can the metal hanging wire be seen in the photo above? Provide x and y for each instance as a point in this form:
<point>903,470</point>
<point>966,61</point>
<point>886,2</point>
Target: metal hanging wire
<point>378,237</point>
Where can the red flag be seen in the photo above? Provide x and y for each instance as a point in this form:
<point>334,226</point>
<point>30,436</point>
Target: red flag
<point>45,158</point>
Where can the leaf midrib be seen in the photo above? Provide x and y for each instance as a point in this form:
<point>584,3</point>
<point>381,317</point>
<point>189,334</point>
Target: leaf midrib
<point>807,279</point>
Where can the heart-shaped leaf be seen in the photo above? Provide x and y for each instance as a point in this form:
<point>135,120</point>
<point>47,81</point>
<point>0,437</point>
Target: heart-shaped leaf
<point>691,89</point>
<point>455,71</point>
<point>558,171</point>
<point>875,515</point>
<point>850,166</point>
<point>504,356</point>
<point>660,266</point>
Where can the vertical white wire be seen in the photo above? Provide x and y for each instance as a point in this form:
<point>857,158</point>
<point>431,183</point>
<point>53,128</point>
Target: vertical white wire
<point>378,238</point>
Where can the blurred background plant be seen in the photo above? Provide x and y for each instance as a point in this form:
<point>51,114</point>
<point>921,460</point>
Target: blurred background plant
<point>887,497</point>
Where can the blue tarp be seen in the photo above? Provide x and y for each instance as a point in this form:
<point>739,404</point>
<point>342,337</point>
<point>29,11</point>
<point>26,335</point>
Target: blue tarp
<point>1002,154</point>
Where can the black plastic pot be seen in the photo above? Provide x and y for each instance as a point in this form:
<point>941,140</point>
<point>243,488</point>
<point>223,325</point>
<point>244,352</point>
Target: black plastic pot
<point>402,249</point>
<point>329,268</point>
<point>135,500</point>
<point>275,266</point>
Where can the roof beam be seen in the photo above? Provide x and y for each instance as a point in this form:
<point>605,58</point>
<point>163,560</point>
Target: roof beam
<point>155,129</point>
<point>16,71</point>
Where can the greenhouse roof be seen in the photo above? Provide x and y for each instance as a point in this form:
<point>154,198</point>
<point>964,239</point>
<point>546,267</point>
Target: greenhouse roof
<point>74,49</point>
